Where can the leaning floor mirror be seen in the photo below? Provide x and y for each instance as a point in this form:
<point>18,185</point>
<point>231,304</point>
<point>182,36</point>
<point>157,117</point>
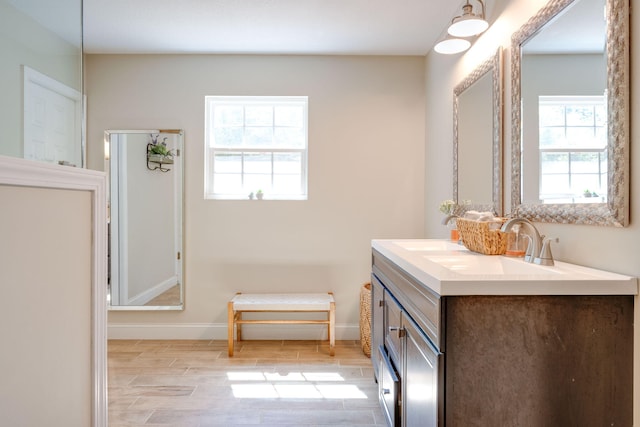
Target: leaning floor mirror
<point>145,219</point>
<point>570,116</point>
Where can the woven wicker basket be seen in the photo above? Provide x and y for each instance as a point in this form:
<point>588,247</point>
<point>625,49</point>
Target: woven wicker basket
<point>478,237</point>
<point>365,318</point>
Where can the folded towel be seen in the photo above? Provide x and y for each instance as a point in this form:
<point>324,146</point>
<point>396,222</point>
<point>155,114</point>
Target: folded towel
<point>479,216</point>
<point>472,215</point>
<point>494,222</point>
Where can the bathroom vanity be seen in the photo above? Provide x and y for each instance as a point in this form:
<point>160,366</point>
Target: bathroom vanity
<point>463,339</point>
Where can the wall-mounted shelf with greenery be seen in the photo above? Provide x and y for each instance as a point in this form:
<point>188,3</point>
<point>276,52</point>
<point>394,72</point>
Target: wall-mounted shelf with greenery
<point>158,154</point>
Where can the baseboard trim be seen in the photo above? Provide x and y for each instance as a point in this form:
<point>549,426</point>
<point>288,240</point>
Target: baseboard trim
<point>151,293</point>
<point>218,331</point>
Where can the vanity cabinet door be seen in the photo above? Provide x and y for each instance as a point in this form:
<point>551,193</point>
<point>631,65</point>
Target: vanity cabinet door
<point>422,380</point>
<point>393,329</point>
<point>377,323</point>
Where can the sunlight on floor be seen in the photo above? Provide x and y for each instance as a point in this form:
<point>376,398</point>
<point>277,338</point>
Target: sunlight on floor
<point>274,388</point>
<point>291,376</point>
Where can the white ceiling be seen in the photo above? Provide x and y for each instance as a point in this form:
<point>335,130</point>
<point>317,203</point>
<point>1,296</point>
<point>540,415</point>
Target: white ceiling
<point>580,28</point>
<point>369,27</point>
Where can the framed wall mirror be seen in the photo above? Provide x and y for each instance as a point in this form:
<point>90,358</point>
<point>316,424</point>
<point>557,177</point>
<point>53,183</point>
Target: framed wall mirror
<point>145,219</point>
<point>477,137</point>
<point>570,116</point>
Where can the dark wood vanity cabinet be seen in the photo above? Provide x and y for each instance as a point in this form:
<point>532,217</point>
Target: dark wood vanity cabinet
<point>405,351</point>
<point>500,360</point>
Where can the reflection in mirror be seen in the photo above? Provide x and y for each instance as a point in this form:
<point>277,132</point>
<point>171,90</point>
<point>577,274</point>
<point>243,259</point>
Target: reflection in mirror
<point>41,108</point>
<point>145,221</point>
<point>570,80</point>
<point>477,142</point>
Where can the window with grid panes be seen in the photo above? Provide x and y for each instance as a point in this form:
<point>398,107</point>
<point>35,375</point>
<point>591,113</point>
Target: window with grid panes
<point>573,149</point>
<point>256,144</point>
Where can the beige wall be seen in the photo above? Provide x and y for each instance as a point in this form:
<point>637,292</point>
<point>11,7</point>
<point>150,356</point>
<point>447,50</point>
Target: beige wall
<point>46,323</point>
<point>366,175</point>
<point>612,249</point>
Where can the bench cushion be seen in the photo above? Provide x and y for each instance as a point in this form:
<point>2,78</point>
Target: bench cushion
<point>282,302</point>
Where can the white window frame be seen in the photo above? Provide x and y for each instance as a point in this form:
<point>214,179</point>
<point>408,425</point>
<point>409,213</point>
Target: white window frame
<point>569,150</point>
<point>210,149</point>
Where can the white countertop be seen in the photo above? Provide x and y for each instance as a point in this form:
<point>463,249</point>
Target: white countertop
<point>450,269</point>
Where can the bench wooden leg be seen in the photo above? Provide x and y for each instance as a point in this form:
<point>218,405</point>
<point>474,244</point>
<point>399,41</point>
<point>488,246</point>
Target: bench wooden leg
<point>231,320</point>
<point>332,328</point>
<point>238,326</point>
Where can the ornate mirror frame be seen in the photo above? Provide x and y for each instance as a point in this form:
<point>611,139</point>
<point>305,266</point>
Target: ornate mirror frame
<point>615,212</point>
<point>491,65</point>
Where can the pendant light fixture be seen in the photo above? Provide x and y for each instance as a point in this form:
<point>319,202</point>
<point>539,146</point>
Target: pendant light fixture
<point>451,45</point>
<point>469,24</point>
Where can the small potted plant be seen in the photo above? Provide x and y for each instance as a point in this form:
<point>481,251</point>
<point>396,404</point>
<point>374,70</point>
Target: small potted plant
<point>157,150</point>
<point>259,194</point>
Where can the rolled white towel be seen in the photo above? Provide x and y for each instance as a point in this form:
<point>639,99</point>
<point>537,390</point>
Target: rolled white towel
<point>479,216</point>
<point>496,223</point>
<point>472,215</point>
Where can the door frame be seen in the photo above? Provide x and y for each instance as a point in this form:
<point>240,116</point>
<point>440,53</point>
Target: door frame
<point>35,78</point>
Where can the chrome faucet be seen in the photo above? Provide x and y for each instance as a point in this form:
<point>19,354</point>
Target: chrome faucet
<point>448,219</point>
<point>535,240</point>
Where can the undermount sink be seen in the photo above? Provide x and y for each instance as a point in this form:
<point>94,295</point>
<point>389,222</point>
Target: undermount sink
<point>491,265</point>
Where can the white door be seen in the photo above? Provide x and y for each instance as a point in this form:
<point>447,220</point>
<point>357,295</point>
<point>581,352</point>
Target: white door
<point>52,120</point>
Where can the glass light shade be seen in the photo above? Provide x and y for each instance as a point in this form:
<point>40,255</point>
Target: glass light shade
<point>467,26</point>
<point>450,46</point>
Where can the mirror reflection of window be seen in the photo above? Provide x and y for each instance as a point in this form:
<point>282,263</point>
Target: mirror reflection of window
<point>573,149</point>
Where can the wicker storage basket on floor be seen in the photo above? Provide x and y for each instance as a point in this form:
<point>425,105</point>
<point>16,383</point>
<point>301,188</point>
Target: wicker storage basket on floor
<point>477,236</point>
<point>365,318</point>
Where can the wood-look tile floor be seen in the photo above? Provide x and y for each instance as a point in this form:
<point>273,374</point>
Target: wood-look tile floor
<point>169,297</point>
<point>266,383</point>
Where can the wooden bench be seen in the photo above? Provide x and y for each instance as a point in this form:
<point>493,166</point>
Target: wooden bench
<point>243,303</point>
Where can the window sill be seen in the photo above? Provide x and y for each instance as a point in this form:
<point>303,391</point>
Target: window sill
<point>264,199</point>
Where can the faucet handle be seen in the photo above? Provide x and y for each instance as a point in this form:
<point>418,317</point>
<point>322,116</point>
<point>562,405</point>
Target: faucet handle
<point>528,255</point>
<point>545,257</point>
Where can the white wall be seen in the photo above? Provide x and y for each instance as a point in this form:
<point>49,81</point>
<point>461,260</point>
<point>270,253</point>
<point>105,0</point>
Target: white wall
<point>23,41</point>
<point>613,249</point>
<point>366,176</point>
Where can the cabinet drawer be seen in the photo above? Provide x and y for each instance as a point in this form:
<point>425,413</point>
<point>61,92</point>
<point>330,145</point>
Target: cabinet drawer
<point>422,304</point>
<point>388,389</point>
